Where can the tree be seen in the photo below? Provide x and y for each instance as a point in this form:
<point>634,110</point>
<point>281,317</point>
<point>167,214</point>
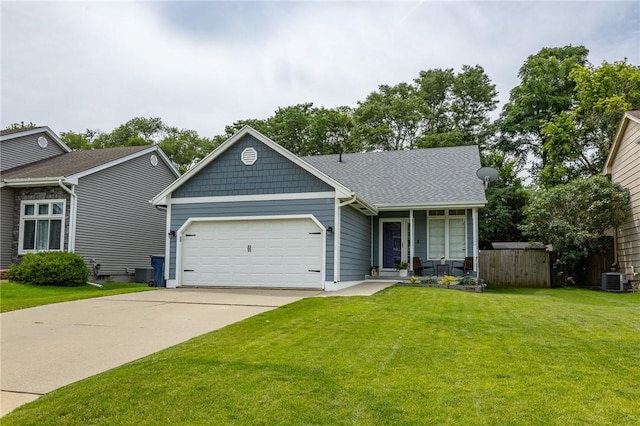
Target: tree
<point>573,217</point>
<point>577,142</point>
<point>440,108</point>
<point>506,200</point>
<point>545,90</point>
<point>389,119</point>
<point>21,126</point>
<point>183,147</point>
<point>306,130</point>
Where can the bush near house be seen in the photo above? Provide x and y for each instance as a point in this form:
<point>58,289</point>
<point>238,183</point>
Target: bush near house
<point>50,268</point>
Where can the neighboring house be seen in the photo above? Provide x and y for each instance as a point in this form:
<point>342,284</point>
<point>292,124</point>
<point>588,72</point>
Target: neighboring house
<point>252,213</point>
<point>623,166</point>
<point>94,203</point>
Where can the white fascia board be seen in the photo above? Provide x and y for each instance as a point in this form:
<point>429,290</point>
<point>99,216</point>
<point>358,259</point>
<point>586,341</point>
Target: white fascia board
<point>342,191</point>
<point>622,129</point>
<point>42,129</point>
<point>257,197</point>
<point>421,206</point>
<point>124,160</point>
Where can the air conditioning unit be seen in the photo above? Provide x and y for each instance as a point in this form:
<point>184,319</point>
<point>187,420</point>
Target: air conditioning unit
<point>613,281</point>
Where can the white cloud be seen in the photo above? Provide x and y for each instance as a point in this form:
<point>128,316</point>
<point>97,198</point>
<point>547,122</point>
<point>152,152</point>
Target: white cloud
<point>96,65</point>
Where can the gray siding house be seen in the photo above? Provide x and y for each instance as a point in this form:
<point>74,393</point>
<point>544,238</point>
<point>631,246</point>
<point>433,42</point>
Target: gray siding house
<point>623,167</point>
<point>94,203</point>
<point>253,214</point>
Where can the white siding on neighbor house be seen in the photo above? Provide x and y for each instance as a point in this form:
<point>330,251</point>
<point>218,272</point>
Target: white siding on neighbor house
<point>25,150</point>
<point>117,226</point>
<point>626,171</point>
<point>6,226</point>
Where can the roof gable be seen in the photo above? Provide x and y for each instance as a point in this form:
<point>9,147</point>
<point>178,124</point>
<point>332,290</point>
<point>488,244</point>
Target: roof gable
<point>629,116</point>
<point>18,133</point>
<point>161,199</point>
<point>264,172</point>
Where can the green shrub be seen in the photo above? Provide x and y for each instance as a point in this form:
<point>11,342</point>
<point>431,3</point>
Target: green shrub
<point>429,281</point>
<point>468,280</point>
<point>50,268</point>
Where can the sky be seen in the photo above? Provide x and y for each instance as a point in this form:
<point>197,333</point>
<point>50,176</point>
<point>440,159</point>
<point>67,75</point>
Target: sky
<point>203,65</point>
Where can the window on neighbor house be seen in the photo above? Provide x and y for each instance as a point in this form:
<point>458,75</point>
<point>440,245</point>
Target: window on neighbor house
<point>447,234</point>
<point>41,225</point>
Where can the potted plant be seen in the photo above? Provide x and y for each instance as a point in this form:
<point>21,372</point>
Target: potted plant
<point>403,268</point>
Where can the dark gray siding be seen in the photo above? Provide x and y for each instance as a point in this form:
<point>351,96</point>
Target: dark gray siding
<point>116,224</point>
<point>270,174</point>
<point>355,244</point>
<point>322,208</point>
<point>420,223</point>
<point>20,151</point>
<point>6,226</point>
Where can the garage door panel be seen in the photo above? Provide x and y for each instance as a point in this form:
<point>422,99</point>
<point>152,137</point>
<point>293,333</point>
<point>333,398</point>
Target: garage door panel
<point>270,253</point>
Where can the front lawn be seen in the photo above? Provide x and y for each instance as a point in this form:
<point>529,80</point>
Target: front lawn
<point>15,296</point>
<point>404,356</point>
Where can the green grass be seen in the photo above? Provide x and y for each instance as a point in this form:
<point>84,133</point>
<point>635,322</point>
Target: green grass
<point>404,356</point>
<point>15,296</point>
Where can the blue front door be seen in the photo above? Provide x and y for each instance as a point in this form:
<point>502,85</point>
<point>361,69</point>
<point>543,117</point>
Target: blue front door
<point>391,244</point>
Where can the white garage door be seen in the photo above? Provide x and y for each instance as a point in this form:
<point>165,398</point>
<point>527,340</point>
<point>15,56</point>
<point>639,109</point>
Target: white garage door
<point>254,253</point>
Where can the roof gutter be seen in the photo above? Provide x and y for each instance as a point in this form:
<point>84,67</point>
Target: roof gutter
<point>72,215</point>
<point>26,182</point>
<point>443,205</point>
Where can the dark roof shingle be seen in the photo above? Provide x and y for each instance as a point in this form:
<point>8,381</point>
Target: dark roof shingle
<point>431,176</point>
<point>71,163</point>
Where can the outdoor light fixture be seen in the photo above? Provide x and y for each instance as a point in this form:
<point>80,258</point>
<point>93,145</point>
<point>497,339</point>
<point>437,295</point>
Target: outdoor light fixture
<point>172,234</point>
<point>329,230</point>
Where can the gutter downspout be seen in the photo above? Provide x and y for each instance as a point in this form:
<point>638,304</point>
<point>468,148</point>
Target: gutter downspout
<point>336,237</point>
<point>72,215</point>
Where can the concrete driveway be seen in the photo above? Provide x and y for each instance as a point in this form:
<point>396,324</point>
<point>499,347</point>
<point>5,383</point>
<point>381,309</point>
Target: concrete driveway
<point>47,347</point>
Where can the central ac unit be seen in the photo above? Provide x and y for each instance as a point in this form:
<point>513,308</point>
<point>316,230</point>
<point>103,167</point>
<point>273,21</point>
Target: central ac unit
<point>613,281</point>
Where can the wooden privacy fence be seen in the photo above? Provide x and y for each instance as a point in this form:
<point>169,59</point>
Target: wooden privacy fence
<point>515,268</point>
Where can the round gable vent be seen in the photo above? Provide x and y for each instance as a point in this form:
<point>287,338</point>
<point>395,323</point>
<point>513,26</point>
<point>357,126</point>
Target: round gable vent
<point>154,160</point>
<point>42,142</point>
<point>249,156</point>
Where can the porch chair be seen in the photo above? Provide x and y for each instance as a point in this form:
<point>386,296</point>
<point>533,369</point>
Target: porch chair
<point>419,268</point>
<point>464,265</point>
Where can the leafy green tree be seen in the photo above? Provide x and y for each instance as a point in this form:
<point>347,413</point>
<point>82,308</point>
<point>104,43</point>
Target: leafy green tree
<point>183,147</point>
<point>21,126</point>
<point>545,90</point>
<point>506,200</point>
<point>389,119</point>
<point>440,108</point>
<point>573,217</point>
<point>306,130</point>
<point>577,141</point>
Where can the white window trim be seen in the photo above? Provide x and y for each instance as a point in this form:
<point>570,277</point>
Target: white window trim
<point>405,233</point>
<point>36,216</point>
<point>447,217</point>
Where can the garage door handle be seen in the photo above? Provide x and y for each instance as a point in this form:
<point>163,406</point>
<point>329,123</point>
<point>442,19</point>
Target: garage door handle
<point>189,270</point>
<point>315,233</point>
<point>190,235</point>
<point>314,270</point>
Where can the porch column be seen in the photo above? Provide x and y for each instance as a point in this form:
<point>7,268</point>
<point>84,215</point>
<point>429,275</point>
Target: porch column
<point>412,240</point>
<point>474,215</point>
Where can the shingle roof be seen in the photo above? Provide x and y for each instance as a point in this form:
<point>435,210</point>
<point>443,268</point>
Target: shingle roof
<point>421,176</point>
<point>70,163</point>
